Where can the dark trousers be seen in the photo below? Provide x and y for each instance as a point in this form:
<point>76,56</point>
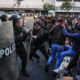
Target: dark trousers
<point>23,56</point>
<point>33,52</point>
<point>41,48</point>
<point>44,52</point>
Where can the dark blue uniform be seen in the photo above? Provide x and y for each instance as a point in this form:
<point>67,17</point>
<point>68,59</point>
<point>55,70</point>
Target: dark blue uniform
<point>38,43</point>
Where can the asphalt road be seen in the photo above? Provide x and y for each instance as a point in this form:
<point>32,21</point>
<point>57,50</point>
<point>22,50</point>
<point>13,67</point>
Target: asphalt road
<point>36,70</point>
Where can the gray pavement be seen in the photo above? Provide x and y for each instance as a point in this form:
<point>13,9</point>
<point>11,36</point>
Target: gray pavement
<point>37,70</point>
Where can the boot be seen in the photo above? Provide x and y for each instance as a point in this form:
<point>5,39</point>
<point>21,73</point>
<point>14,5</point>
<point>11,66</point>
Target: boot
<point>38,60</point>
<point>25,73</point>
<point>47,68</point>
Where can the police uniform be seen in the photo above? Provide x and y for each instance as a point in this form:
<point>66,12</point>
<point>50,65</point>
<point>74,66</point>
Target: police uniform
<point>19,43</point>
<point>38,43</point>
<point>8,60</point>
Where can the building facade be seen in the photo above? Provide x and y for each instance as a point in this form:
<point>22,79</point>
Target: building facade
<point>74,10</point>
<point>37,5</point>
<point>27,4</point>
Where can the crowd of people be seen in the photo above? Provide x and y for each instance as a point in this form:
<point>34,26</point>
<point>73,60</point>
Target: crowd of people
<point>62,33</point>
<point>63,38</point>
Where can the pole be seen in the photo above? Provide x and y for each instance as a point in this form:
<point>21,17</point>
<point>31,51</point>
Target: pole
<point>19,3</point>
<point>54,1</point>
<point>73,4</point>
<point>54,5</point>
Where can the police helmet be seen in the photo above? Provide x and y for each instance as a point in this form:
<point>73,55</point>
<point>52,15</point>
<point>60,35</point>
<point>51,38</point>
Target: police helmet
<point>3,17</point>
<point>15,17</point>
<point>39,24</point>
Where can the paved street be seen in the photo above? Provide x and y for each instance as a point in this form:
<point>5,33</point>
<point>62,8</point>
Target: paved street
<point>37,70</point>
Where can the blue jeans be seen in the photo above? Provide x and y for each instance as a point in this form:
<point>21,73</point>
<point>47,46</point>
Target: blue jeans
<point>60,56</point>
<point>55,49</point>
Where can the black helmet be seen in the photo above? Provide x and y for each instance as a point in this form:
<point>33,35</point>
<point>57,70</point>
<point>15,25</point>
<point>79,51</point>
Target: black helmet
<point>3,17</point>
<point>39,24</point>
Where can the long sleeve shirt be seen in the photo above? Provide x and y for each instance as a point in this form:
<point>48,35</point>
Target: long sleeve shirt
<point>75,37</point>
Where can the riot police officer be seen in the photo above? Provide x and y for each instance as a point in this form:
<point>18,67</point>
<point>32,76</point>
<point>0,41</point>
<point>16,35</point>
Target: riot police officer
<point>8,61</point>
<point>19,39</point>
<point>38,41</point>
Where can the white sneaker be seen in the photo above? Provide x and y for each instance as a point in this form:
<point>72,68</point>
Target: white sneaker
<point>56,70</point>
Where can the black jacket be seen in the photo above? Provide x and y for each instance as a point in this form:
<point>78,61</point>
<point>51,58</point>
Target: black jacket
<point>18,38</point>
<point>41,37</point>
<point>58,36</point>
<point>49,26</point>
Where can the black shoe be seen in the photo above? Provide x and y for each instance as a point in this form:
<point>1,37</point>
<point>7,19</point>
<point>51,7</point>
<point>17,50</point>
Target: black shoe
<point>38,60</point>
<point>32,60</point>
<point>54,74</point>
<point>47,68</point>
<point>25,73</point>
<point>49,51</point>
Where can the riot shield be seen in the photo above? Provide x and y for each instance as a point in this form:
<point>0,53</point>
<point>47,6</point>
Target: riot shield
<point>8,59</point>
<point>29,23</point>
